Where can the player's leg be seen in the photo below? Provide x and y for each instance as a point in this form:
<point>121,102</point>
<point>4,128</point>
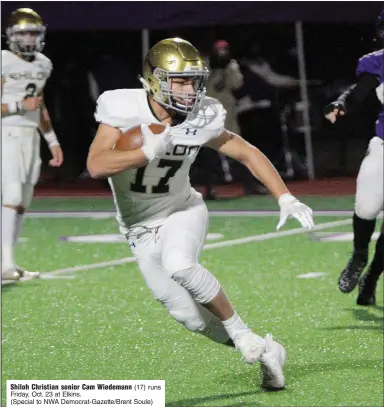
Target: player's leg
<point>183,235</point>
<point>368,282</point>
<point>32,165</point>
<point>369,201</point>
<point>176,299</point>
<point>12,177</point>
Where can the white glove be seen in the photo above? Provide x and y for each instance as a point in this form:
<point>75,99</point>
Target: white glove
<point>380,93</point>
<point>291,207</point>
<point>155,145</point>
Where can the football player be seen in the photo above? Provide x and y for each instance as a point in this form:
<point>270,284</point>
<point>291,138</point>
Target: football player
<point>23,76</point>
<point>370,180</point>
<point>164,219</point>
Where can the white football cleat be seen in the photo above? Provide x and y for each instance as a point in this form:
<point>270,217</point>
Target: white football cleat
<point>272,362</point>
<point>10,274</point>
<point>27,275</point>
<point>250,347</point>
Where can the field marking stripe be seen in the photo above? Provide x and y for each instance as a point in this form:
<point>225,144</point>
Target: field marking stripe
<point>42,277</point>
<point>215,213</point>
<point>272,235</point>
<point>226,243</point>
<point>91,266</point>
<point>209,246</point>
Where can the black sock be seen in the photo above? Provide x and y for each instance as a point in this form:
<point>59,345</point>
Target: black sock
<point>377,265</point>
<point>362,231</point>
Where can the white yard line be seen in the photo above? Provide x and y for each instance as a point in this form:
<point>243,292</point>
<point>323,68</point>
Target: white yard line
<point>91,266</point>
<point>42,277</point>
<point>209,246</point>
<point>314,274</point>
<point>272,235</point>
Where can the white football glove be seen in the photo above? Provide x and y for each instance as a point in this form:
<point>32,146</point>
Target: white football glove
<point>291,207</point>
<point>155,145</point>
<point>380,93</point>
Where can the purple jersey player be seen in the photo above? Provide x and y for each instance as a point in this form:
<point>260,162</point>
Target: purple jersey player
<point>369,190</point>
<point>373,64</point>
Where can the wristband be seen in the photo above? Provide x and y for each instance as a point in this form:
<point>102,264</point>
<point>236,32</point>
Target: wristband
<point>15,107</point>
<point>51,139</point>
<point>12,107</point>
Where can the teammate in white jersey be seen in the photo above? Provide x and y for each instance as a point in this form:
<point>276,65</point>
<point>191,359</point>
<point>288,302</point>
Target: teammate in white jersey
<point>163,218</point>
<point>23,76</point>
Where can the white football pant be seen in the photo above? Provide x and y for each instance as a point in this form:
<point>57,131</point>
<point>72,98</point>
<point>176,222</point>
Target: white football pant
<point>20,164</point>
<point>370,181</point>
<point>175,246</point>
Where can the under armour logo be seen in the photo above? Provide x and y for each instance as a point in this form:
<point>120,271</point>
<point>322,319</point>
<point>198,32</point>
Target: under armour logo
<point>190,131</point>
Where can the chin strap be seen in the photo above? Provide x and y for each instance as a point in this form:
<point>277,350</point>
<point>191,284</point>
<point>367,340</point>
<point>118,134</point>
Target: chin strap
<point>146,86</point>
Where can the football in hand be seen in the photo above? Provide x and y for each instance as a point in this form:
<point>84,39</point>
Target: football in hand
<point>133,138</point>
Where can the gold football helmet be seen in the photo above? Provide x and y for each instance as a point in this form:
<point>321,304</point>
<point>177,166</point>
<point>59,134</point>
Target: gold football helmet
<point>25,32</point>
<point>174,58</point>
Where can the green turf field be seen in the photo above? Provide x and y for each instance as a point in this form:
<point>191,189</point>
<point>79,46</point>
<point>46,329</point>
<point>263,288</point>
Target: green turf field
<point>100,322</point>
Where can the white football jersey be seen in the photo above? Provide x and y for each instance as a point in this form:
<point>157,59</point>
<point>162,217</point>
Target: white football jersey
<point>21,79</point>
<point>147,195</point>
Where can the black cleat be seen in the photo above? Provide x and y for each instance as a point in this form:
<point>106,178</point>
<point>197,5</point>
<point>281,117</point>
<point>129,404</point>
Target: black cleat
<point>350,275</point>
<point>367,289</point>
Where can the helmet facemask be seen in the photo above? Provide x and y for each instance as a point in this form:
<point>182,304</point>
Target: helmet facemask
<point>26,39</point>
<point>171,99</point>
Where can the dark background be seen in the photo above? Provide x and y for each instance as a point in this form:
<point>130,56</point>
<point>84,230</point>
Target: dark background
<point>105,38</point>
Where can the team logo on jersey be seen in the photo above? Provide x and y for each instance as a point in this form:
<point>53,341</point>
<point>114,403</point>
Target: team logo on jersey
<point>39,76</point>
<point>181,150</point>
<point>191,131</point>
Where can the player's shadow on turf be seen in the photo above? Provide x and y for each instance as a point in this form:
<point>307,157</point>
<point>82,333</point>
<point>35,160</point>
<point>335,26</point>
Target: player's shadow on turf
<point>365,315</point>
<point>195,402</point>
<point>297,370</point>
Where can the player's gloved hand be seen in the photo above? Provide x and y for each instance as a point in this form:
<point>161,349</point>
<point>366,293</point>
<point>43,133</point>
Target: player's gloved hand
<point>291,207</point>
<point>380,93</point>
<point>155,145</point>
<point>333,110</point>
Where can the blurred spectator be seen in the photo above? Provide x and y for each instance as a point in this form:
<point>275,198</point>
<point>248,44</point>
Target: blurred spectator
<point>258,110</point>
<point>225,78</point>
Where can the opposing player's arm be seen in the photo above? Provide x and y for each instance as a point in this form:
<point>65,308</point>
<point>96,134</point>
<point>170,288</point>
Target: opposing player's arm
<point>103,161</point>
<point>353,97</point>
<point>356,95</point>
<point>234,146</point>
